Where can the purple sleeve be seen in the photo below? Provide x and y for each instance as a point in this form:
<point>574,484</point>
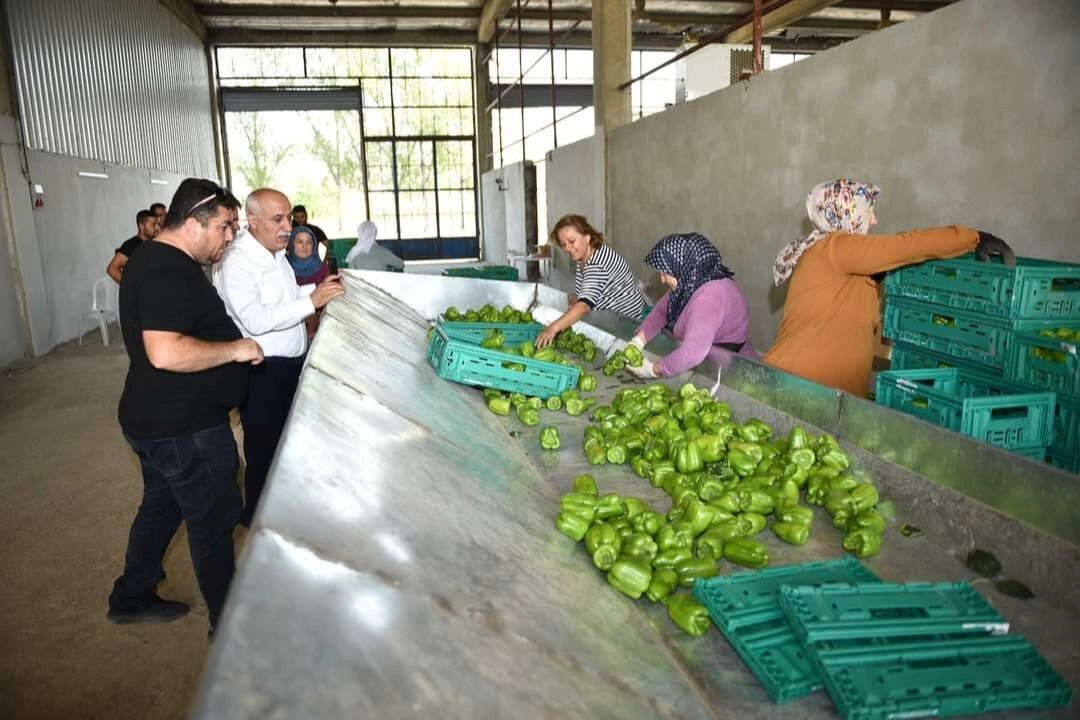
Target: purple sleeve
<point>656,320</point>
<point>706,315</point>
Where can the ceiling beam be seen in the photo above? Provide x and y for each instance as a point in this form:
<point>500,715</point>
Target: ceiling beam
<point>897,5</point>
<point>780,16</point>
<point>186,13</point>
<point>489,19</point>
<point>342,38</point>
<point>331,11</point>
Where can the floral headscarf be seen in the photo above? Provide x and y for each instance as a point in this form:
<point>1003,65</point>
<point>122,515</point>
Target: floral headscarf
<point>693,261</point>
<point>841,205</point>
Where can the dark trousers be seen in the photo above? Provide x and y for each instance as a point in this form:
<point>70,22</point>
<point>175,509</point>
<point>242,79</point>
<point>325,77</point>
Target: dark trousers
<point>270,393</point>
<point>190,478</point>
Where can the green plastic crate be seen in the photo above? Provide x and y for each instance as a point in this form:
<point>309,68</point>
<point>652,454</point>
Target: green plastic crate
<point>474,332</point>
<point>745,607</point>
<point>1034,289</point>
<point>910,357</point>
<point>340,249</point>
<point>895,651</point>
<point>463,362</point>
<point>1021,421</point>
<point>1060,373</point>
<point>488,272</point>
<point>967,336</point>
<point>1063,461</point>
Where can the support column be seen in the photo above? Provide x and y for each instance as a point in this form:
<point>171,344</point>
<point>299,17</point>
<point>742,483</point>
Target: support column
<point>611,62</point>
<point>482,81</point>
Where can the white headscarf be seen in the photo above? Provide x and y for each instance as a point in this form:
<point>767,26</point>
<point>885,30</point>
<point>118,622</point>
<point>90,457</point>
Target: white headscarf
<point>366,233</point>
<point>841,205</point>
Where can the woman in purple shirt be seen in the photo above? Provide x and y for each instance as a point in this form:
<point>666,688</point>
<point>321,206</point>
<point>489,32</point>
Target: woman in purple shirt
<point>703,308</point>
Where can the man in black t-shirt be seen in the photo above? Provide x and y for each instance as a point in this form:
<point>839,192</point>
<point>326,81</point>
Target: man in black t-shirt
<point>299,217</point>
<point>159,211</point>
<point>147,224</point>
<point>189,367</point>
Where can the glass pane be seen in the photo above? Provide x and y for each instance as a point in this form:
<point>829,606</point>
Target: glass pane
<point>347,62</point>
<point>457,213</point>
<point>236,62</point>
<point>376,93</point>
<point>431,62</point>
<point>455,164</point>
<point>416,166</point>
<point>313,157</point>
<point>384,214</point>
<point>418,214</point>
<point>377,122</point>
<point>380,162</point>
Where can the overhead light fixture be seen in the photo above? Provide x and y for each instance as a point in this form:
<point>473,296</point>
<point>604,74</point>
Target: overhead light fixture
<point>87,174</point>
<point>156,181</point>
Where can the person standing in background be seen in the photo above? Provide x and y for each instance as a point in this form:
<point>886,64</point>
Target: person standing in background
<point>159,211</point>
<point>147,227</point>
<point>299,217</point>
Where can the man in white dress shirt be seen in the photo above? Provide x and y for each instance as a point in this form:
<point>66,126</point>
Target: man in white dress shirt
<point>261,295</point>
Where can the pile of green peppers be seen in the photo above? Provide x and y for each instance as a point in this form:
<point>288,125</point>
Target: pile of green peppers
<point>726,478</point>
<point>576,343</point>
<point>488,314</point>
<point>629,356</point>
<point>527,409</point>
<point>641,552</point>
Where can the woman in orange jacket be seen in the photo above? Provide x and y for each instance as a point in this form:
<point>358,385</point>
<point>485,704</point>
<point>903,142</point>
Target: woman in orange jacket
<point>831,313</point>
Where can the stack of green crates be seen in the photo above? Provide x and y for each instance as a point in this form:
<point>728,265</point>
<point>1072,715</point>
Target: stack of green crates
<point>487,272</point>
<point>1002,327</point>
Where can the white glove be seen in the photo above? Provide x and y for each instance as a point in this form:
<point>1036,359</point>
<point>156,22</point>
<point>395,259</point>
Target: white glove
<point>645,372</point>
<point>638,341</point>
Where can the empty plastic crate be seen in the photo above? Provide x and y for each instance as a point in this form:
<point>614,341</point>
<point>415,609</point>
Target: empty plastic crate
<point>1021,421</point>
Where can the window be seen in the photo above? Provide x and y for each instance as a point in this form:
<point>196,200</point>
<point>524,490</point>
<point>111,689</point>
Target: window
<point>386,134</point>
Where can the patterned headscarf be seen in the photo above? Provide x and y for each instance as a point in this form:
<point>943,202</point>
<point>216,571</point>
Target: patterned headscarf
<point>693,261</point>
<point>841,205</point>
<point>309,266</point>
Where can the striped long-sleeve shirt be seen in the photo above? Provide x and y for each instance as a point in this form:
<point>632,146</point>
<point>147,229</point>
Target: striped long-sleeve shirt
<point>606,282</point>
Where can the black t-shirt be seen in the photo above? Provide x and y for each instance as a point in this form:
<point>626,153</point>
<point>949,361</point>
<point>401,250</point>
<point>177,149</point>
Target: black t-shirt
<point>319,234</point>
<point>165,289</point>
<point>130,246</point>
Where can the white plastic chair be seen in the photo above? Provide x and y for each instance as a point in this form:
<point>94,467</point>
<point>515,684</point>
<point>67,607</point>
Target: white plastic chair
<point>101,309</point>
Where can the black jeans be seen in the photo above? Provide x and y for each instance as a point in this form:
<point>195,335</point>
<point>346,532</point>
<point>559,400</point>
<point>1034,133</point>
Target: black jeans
<point>271,388</point>
<point>190,478</point>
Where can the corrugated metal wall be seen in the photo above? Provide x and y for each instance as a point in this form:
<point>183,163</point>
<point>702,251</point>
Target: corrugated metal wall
<point>122,81</point>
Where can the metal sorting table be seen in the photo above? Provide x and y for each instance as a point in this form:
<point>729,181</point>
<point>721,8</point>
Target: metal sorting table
<point>404,560</point>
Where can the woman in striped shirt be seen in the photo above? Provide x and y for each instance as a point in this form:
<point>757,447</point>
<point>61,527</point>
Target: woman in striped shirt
<point>604,280</point>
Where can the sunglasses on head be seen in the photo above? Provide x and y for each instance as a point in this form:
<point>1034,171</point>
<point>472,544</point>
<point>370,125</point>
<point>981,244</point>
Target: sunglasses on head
<point>220,193</point>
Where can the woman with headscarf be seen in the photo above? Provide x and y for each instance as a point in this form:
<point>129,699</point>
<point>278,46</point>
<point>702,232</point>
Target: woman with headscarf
<point>831,314</point>
<point>703,307</point>
<point>366,254</point>
<point>604,280</point>
<point>304,258</point>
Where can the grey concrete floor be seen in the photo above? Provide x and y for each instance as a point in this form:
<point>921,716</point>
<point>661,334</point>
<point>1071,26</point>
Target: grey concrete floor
<point>69,488</point>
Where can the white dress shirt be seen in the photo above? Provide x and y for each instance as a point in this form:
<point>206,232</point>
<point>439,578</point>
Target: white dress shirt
<point>261,296</point>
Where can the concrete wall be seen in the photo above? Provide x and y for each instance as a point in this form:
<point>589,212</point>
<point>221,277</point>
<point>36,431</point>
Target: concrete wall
<point>575,184</point>
<point>968,115</point>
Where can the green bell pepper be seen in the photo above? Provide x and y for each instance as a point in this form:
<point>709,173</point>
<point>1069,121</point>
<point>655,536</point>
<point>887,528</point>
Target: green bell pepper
<point>699,515</point>
<point>803,457</point>
<point>585,484</point>
<point>754,431</point>
<point>695,569</point>
<point>549,438</point>
<point>603,543</point>
<point>727,500</point>
<point>499,405</point>
<point>572,526</point>
<point>672,557</point>
<point>649,522</point>
<point>452,314</point>
<point>688,614</point>
<point>688,458</point>
<point>836,458</point>
<point>710,544</point>
<point>661,469</point>
<point>586,383</point>
<point>554,403</point>
<point>730,529</point>
<point>708,487</point>
<point>746,552</point>
<point>579,504</point>
<point>865,497</point>
<point>527,414</point>
<point>630,577</point>
<point>757,522</point>
<point>610,506</point>
<point>493,340</point>
<point>641,467</point>
<point>843,482</point>
<point>837,500</point>
<point>793,533</point>
<point>664,582</point>
<point>795,514</point>
<point>744,457</point>
<point>575,406</point>
<point>863,542</point>
<point>870,519</point>
<point>616,453</point>
<point>757,501</point>
<point>641,546</point>
<point>675,535</point>
<point>595,453</point>
<point>798,439</point>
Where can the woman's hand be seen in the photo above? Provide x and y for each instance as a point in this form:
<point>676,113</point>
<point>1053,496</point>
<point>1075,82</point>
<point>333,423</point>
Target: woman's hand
<point>546,336</point>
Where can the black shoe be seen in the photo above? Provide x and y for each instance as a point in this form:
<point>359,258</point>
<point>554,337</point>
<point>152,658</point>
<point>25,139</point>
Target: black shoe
<point>158,611</point>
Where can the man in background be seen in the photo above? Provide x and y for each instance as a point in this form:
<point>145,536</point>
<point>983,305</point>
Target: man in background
<point>147,227</point>
<point>261,295</point>
<point>159,211</point>
<point>299,217</point>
